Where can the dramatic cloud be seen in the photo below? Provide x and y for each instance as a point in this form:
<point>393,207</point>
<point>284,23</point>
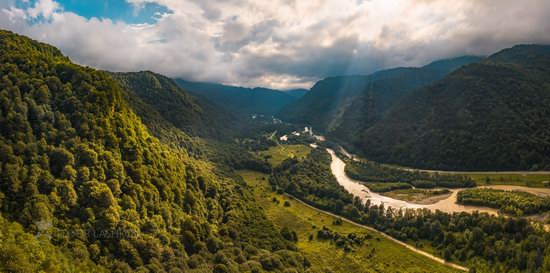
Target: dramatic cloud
<point>283,43</point>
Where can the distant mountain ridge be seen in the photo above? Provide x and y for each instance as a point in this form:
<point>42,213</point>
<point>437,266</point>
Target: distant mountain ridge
<point>297,93</point>
<point>345,105</point>
<point>241,100</point>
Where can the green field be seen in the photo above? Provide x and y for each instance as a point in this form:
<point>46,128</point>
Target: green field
<point>278,154</point>
<point>377,254</point>
<point>525,179</point>
<point>533,180</point>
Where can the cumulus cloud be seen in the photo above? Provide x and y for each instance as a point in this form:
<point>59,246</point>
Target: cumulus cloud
<point>284,43</point>
<point>44,8</point>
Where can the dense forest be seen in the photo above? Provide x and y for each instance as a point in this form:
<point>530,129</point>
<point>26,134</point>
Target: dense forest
<point>311,180</point>
<point>491,115</point>
<point>489,243</point>
<point>86,186</point>
<point>517,203</point>
<point>368,171</point>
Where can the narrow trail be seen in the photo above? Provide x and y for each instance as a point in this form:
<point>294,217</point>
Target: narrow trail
<point>272,135</point>
<point>426,254</point>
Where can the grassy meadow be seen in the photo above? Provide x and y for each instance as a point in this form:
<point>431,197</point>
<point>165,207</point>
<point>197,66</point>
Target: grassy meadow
<point>276,155</point>
<point>377,254</point>
<point>533,180</point>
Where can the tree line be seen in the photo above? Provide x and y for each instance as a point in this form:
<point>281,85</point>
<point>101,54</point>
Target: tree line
<point>517,203</point>
<point>375,172</point>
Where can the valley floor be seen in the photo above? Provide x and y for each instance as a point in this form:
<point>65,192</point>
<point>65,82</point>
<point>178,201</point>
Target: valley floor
<point>532,179</point>
<point>381,253</point>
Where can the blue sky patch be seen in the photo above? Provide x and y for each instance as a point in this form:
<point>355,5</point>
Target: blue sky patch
<point>116,10</point>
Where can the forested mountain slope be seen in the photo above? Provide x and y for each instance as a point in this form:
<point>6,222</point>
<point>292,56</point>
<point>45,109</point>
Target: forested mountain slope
<point>194,116</point>
<point>240,100</point>
<point>81,171</point>
<point>491,115</point>
<point>343,106</point>
<point>179,119</point>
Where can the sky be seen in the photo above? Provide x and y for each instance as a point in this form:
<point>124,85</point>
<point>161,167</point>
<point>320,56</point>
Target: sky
<point>280,44</point>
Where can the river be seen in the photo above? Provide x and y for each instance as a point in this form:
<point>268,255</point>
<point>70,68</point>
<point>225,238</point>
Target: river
<point>448,205</point>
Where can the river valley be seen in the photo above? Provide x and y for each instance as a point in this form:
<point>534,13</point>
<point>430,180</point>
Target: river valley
<point>449,205</point>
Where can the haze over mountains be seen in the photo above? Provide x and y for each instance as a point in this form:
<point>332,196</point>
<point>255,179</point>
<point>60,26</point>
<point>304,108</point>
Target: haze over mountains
<point>392,116</point>
<point>241,100</point>
<point>343,105</point>
<point>487,114</point>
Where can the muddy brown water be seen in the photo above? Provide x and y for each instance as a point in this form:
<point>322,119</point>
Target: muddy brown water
<point>449,205</point>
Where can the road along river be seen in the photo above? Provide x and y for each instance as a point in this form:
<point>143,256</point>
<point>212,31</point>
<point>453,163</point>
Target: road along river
<point>448,205</point>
